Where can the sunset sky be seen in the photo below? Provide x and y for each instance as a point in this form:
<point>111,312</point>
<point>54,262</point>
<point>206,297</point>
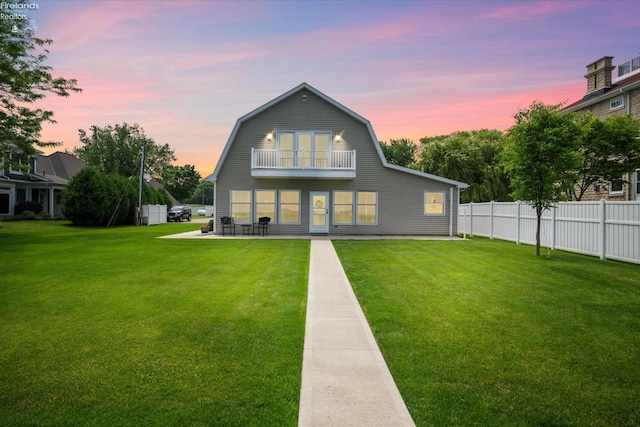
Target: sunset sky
<point>187,70</point>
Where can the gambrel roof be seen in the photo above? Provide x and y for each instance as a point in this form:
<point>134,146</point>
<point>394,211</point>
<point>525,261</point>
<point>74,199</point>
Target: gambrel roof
<point>337,105</point>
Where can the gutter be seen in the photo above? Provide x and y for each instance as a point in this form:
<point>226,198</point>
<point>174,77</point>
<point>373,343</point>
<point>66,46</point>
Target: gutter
<point>606,96</point>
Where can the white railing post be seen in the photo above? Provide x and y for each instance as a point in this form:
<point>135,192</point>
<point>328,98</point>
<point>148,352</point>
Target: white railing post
<point>471,219</point>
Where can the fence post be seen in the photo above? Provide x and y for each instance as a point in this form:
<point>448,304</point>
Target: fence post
<point>603,230</point>
<point>470,219</point>
<point>518,222</point>
<point>553,226</point>
<point>491,220</point>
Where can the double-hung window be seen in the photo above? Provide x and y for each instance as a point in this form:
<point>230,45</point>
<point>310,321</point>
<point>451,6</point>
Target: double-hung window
<point>343,207</point>
<point>289,207</point>
<point>367,208</point>
<point>359,205</point>
<point>265,204</point>
<point>433,203</point>
<point>241,206</point>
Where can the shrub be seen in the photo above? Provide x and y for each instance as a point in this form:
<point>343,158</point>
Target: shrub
<point>94,198</point>
<point>29,205</point>
<point>29,215</point>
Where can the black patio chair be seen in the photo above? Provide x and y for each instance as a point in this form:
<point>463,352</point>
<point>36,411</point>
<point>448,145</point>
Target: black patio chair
<point>261,225</point>
<point>227,223</point>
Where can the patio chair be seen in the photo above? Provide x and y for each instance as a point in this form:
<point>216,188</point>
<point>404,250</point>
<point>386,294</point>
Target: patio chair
<point>227,223</point>
<point>261,225</point>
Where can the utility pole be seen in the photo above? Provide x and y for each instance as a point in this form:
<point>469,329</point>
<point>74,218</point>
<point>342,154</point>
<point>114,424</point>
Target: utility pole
<point>140,213</point>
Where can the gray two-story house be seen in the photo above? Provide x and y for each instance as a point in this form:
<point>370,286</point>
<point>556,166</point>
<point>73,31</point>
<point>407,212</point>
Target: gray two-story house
<point>314,166</point>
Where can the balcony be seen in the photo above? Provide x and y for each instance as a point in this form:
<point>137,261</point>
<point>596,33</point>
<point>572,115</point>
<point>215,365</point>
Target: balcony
<point>303,164</point>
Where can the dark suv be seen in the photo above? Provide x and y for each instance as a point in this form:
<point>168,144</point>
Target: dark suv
<point>179,213</point>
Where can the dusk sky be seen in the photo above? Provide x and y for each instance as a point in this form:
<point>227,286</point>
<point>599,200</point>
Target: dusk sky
<point>187,70</point>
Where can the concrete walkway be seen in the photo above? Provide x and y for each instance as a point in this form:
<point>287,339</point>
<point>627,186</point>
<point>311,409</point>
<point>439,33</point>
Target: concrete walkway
<point>345,380</point>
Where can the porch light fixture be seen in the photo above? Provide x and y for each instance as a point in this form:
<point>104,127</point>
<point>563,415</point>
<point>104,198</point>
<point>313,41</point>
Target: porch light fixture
<point>338,138</point>
<point>270,136</point>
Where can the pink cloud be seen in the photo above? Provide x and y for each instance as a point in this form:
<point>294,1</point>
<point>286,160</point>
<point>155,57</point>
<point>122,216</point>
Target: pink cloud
<point>528,10</point>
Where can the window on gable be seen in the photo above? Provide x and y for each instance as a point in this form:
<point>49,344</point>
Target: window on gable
<point>616,103</point>
<point>433,203</point>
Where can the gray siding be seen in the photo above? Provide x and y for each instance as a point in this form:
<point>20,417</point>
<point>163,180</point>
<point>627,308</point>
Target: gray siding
<point>400,194</point>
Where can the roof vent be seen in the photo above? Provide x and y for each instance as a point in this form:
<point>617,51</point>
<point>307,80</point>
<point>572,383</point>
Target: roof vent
<point>304,97</point>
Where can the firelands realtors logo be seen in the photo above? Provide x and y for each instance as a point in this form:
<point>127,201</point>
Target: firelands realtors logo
<point>14,13</point>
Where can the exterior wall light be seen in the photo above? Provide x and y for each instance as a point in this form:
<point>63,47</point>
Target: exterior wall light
<point>270,136</point>
<point>338,138</point>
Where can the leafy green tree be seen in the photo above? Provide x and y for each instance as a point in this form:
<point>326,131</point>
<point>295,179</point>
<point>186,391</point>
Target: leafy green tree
<point>401,152</point>
<point>609,149</point>
<point>94,198</point>
<point>541,156</point>
<point>470,157</point>
<point>203,193</point>
<point>117,149</point>
<point>181,181</point>
<point>25,79</point>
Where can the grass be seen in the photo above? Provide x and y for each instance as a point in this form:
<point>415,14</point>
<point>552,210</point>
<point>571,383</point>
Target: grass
<point>116,327</point>
<point>482,332</point>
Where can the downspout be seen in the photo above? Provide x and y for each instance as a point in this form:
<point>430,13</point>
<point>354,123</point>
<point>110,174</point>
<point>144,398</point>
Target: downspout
<point>451,212</point>
<point>215,205</point>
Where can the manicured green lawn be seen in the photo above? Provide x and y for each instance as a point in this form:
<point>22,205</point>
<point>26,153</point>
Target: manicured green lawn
<point>115,327</point>
<point>484,333</point>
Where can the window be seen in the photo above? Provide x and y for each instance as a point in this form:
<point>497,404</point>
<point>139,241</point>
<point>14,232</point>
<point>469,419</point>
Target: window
<point>265,204</point>
<point>433,203</point>
<point>637,178</point>
<point>367,209</point>
<point>289,206</point>
<point>616,103</point>
<point>615,186</point>
<point>241,206</point>
<point>343,207</point>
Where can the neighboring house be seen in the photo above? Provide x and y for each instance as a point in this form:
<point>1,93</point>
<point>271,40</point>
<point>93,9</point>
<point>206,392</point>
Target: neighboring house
<point>606,97</point>
<point>315,167</point>
<point>47,177</point>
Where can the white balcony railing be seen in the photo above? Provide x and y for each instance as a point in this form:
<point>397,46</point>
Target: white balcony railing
<point>303,159</point>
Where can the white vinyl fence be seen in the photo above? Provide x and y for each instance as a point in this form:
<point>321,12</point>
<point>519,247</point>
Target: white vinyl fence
<point>154,214</point>
<point>610,230</point>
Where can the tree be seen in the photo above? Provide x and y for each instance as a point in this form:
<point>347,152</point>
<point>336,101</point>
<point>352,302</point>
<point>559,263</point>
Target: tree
<point>470,157</point>
<point>401,152</point>
<point>541,156</point>
<point>203,193</point>
<point>181,181</point>
<point>116,150</point>
<point>609,149</point>
<point>97,199</point>
<point>24,79</point>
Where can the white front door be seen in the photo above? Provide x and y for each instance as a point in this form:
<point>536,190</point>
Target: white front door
<point>319,212</point>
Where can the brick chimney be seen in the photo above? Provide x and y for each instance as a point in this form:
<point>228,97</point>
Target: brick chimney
<point>599,74</point>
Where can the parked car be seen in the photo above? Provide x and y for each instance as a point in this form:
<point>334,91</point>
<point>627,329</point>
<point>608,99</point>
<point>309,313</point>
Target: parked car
<point>179,213</point>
